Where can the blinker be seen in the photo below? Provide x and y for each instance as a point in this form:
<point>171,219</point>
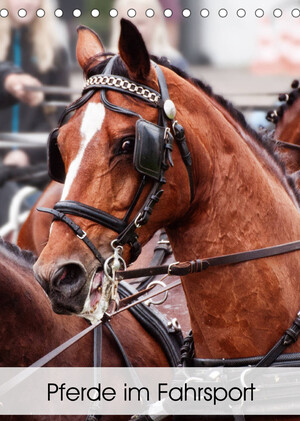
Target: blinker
<point>148,149</point>
<point>56,166</point>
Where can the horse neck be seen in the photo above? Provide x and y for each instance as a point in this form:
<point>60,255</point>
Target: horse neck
<point>288,127</point>
<point>242,205</point>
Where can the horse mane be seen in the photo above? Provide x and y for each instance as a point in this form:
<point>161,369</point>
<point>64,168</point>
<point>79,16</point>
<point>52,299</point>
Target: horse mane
<point>288,99</point>
<point>265,140</point>
<point>25,258</point>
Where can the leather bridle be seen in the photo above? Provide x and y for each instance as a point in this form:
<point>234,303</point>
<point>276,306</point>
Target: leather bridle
<point>127,230</point>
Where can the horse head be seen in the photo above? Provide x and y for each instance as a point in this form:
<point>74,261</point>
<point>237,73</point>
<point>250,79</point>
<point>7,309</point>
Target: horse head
<point>116,157</point>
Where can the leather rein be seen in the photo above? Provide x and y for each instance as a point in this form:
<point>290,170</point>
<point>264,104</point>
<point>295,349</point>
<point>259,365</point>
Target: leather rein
<point>199,265</point>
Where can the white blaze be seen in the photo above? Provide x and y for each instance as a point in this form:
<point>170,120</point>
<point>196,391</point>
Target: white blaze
<point>91,123</point>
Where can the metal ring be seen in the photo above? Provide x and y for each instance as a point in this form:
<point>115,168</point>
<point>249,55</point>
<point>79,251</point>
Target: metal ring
<point>117,247</point>
<point>156,303</point>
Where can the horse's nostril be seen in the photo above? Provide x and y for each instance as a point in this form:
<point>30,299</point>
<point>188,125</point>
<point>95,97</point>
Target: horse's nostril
<point>69,279</point>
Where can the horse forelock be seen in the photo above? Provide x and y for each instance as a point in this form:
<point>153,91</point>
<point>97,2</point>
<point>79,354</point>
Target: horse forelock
<point>13,254</point>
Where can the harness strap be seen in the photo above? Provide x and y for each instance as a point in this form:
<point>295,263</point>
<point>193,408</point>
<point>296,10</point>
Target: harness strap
<point>97,354</point>
<point>79,102</point>
<point>89,212</point>
<point>199,265</point>
<point>76,229</point>
<point>108,104</point>
<point>97,360</point>
<point>290,336</point>
<point>135,199</point>
<point>284,360</point>
<point>185,154</point>
<point>167,335</point>
<point>286,145</point>
<point>142,215</point>
<point>97,349</point>
<point>273,357</point>
<point>118,343</point>
<point>161,251</point>
<point>164,93</point>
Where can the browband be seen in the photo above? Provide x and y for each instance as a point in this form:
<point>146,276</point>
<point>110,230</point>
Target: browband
<point>119,83</point>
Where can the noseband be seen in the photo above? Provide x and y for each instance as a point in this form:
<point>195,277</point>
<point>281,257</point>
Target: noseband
<point>152,157</point>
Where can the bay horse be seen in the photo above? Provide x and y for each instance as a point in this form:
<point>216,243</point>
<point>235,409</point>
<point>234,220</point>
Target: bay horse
<point>30,329</point>
<point>242,200</point>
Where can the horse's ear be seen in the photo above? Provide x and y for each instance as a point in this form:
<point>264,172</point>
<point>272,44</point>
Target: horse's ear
<point>89,48</point>
<point>133,51</point>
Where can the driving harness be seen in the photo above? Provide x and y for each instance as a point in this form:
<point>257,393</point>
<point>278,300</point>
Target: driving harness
<point>152,157</point>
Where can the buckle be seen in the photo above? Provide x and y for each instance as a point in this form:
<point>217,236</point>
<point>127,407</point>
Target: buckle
<point>170,267</point>
<point>81,237</point>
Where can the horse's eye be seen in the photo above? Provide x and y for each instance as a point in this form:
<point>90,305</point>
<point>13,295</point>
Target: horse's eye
<point>127,146</point>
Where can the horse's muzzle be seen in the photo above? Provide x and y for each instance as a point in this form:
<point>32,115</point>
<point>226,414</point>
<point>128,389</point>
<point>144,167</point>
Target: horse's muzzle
<point>68,280</point>
<point>67,286</point>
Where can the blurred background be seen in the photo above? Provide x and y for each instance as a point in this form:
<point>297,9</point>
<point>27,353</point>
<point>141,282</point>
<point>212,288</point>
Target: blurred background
<point>247,50</point>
